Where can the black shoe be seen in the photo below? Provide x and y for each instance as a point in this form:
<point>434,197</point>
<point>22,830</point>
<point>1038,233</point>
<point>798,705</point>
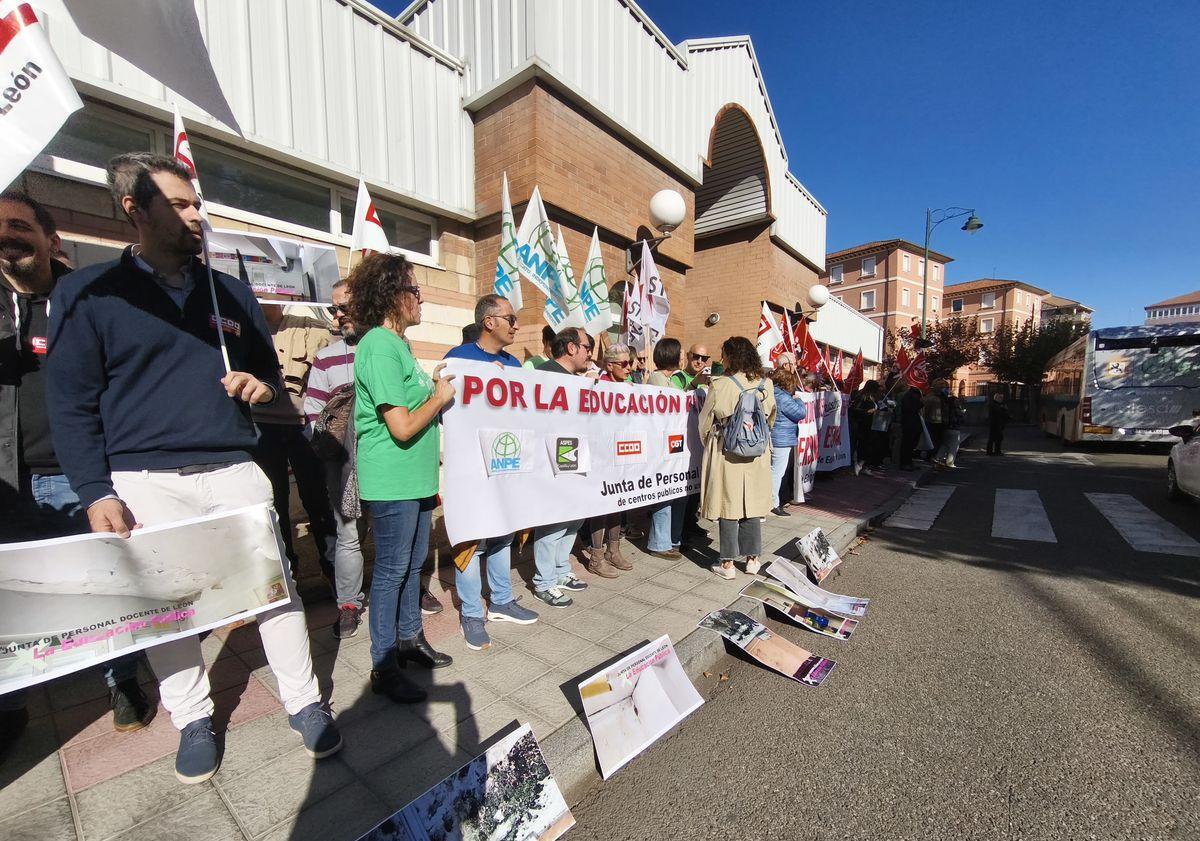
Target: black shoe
<point>418,650</point>
<point>780,512</point>
<point>430,606</point>
<point>389,681</point>
<point>12,725</point>
<point>131,710</point>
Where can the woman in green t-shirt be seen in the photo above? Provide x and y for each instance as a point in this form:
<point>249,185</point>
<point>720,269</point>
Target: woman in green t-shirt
<point>396,421</point>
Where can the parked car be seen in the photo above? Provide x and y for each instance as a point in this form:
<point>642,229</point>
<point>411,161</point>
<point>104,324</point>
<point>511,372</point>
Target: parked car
<point>1183,465</point>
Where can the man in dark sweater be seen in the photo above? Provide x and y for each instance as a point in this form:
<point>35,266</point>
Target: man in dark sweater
<point>150,427</point>
<point>36,500</point>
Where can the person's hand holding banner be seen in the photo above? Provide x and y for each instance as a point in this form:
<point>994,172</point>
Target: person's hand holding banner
<point>247,388</point>
<point>112,515</point>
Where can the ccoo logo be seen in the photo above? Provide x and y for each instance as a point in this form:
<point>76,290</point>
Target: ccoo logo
<point>629,448</point>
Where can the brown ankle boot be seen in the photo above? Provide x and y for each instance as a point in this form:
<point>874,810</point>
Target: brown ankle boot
<point>597,562</point>
<point>614,556</point>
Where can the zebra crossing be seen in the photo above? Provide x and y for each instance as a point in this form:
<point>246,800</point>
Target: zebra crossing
<point>1020,514</point>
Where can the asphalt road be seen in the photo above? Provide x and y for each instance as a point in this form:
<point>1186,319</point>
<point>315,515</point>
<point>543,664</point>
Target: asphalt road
<point>996,689</point>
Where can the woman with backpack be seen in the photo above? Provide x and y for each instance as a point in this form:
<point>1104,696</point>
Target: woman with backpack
<point>735,482</point>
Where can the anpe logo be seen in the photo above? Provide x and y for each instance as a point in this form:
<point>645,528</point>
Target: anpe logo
<point>506,453</point>
<point>629,448</point>
<point>674,444</point>
<point>566,454</point>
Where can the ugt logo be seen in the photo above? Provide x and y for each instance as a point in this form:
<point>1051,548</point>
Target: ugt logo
<point>506,453</point>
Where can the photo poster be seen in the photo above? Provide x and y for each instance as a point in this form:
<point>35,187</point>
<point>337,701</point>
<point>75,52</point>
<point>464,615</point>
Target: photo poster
<point>768,648</point>
<point>73,602</point>
<point>793,607</point>
<point>634,702</point>
<point>526,448</point>
<point>505,792</point>
<point>818,554</point>
<point>833,431</point>
<point>795,580</point>
<point>805,473</point>
<point>303,271</point>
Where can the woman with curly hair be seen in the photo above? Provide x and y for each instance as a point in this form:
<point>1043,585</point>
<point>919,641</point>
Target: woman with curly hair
<point>735,490</point>
<point>785,432</point>
<point>396,421</point>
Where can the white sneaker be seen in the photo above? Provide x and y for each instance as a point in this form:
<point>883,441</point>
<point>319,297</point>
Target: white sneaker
<point>752,566</point>
<point>726,572</point>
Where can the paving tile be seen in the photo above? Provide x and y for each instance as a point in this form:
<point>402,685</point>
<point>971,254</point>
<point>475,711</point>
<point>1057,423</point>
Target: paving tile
<point>670,580</point>
<point>348,813</point>
<point>656,592</point>
<point>78,688</point>
<point>630,636</point>
<point>244,638</point>
<point>508,670</point>
<point>697,606</point>
<point>242,705</point>
<point>123,802</point>
<point>406,777</point>
<point>371,741</point>
<point>111,754</point>
<point>552,645</point>
<point>203,818</point>
<point>587,661</point>
<point>496,719</point>
<point>720,591</point>
<point>350,696</point>
<point>545,697</point>
<point>626,608</point>
<point>448,706</point>
<point>255,743</point>
<point>612,585</point>
<point>592,625</point>
<point>281,788</point>
<point>48,822</point>
<point>31,773</point>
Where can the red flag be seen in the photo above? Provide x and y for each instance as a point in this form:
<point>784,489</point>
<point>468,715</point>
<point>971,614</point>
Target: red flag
<point>855,377</point>
<point>840,371</point>
<point>789,335</point>
<point>808,355</point>
<point>914,372</point>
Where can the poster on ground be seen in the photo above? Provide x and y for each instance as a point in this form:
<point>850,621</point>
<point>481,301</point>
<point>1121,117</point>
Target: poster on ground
<point>529,448</point>
<point>304,271</point>
<point>806,450</point>
<point>817,552</point>
<point>634,702</point>
<point>74,602</point>
<point>768,648</point>
<point>793,607</point>
<point>794,579</point>
<point>505,793</point>
<point>833,431</point>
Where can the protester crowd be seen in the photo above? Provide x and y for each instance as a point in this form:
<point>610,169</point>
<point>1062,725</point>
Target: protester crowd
<point>118,412</point>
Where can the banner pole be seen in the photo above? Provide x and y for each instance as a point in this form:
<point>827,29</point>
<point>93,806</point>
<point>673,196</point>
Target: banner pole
<point>212,289</point>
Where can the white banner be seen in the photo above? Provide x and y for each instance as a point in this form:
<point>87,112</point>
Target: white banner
<point>529,448</point>
<point>805,471</point>
<point>73,602</point>
<point>36,94</point>
<point>833,431</point>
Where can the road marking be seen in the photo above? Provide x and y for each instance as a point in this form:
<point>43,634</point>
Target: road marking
<point>1020,515</point>
<point>921,509</point>
<point>1056,458</point>
<point>1142,529</point>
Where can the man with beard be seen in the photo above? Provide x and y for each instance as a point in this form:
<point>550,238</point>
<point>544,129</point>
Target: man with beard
<point>151,428</point>
<point>36,500</point>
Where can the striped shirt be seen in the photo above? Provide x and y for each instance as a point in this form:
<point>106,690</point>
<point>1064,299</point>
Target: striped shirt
<point>333,367</point>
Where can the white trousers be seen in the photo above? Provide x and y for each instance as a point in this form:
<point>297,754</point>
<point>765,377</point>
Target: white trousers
<point>163,497</point>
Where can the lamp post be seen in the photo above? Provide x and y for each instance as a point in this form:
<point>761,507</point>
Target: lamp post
<point>933,218</point>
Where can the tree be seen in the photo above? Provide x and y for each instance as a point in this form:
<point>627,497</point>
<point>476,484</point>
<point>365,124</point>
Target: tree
<point>955,343</point>
<point>1020,353</point>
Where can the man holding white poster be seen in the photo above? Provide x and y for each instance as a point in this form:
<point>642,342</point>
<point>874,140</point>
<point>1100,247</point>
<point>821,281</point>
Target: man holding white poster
<point>151,429</point>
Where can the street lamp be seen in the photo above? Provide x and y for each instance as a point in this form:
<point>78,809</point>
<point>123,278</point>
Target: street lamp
<point>933,218</point>
<point>667,212</point>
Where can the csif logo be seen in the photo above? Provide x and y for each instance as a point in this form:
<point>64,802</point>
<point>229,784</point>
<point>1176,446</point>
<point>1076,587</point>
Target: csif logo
<point>674,444</point>
<point>629,448</point>
<point>506,453</point>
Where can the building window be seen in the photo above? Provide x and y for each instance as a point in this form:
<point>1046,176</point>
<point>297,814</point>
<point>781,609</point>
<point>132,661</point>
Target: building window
<point>907,263</point>
<point>1018,296</point>
<point>235,182</point>
<point>921,267</point>
<point>956,305</point>
<point>904,297</point>
<point>92,139</point>
<point>987,325</point>
<point>934,303</point>
<point>921,299</point>
<point>981,390</point>
<point>867,300</point>
<point>868,267</point>
<point>936,270</point>
<point>988,300</point>
<point>835,274</point>
<point>402,231</point>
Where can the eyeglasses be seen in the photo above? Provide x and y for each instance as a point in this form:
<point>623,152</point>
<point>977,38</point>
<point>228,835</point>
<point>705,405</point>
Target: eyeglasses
<point>334,309</point>
<point>624,363</point>
<point>642,360</point>
<point>511,319</point>
<point>700,356</point>
<point>416,290</point>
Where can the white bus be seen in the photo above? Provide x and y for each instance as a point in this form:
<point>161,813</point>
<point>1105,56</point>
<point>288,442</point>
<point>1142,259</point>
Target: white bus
<point>1123,384</point>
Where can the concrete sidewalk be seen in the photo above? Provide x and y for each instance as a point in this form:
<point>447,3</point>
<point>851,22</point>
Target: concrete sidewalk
<point>72,777</point>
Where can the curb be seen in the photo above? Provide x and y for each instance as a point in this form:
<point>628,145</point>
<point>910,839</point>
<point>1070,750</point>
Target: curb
<point>569,751</point>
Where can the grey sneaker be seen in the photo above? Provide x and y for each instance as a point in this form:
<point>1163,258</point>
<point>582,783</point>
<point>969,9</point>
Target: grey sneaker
<point>315,724</point>
<point>349,618</point>
<point>554,597</point>
<point>475,634</point>
<point>196,760</point>
<point>570,582</point>
<point>511,612</point>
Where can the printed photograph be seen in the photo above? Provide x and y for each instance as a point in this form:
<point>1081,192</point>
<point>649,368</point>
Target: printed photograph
<point>506,793</point>
<point>633,703</point>
<point>806,616</point>
<point>270,265</point>
<point>817,552</point>
<point>768,648</point>
<point>794,578</point>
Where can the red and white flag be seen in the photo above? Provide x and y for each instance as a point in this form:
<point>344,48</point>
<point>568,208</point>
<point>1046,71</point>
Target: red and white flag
<point>913,371</point>
<point>183,154</point>
<point>855,377</point>
<point>808,355</point>
<point>769,337</point>
<point>36,94</point>
<point>367,232</point>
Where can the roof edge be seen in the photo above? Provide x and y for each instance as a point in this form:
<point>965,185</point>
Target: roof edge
<point>883,244</point>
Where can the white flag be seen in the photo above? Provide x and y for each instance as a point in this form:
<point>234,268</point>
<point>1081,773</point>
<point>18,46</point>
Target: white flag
<point>632,314</point>
<point>769,335</point>
<point>537,255</point>
<point>573,316</point>
<point>593,291</point>
<point>508,279</point>
<point>183,154</point>
<point>368,230</point>
<point>36,94</point>
<point>655,306</point>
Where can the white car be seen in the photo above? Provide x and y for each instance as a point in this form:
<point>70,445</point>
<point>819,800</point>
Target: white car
<point>1183,465</point>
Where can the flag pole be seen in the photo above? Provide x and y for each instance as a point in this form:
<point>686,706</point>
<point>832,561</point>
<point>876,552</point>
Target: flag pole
<point>212,289</point>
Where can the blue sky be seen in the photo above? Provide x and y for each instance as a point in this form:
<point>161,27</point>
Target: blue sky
<point>1073,128</point>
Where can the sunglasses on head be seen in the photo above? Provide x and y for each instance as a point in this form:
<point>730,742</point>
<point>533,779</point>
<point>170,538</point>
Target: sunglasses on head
<point>701,356</point>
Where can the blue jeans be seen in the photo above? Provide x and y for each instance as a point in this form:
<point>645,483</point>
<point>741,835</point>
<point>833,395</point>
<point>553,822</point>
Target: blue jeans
<point>552,553</point>
<point>499,564</point>
<point>401,544</point>
<point>779,463</point>
<point>666,525</point>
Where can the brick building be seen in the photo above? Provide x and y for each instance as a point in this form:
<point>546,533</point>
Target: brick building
<point>993,303</point>
<point>1177,310</point>
<point>589,102</point>
<point>1057,308</point>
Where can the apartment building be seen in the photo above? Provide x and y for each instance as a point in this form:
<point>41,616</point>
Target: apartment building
<point>1057,308</point>
<point>1176,310</point>
<point>882,280</point>
<point>994,303</point>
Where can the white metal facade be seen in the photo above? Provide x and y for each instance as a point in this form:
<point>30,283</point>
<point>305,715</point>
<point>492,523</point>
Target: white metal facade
<point>842,326</point>
<point>335,85</point>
